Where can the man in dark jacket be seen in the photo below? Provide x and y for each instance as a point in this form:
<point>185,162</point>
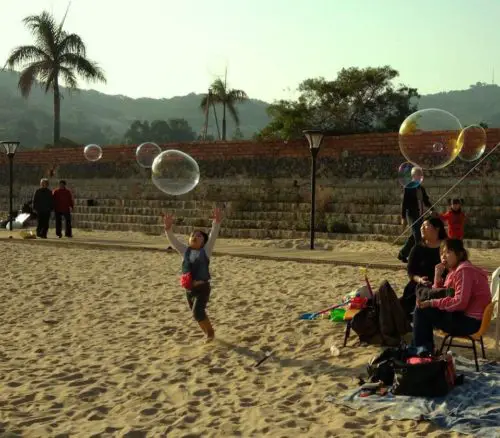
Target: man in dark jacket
<point>63,204</point>
<point>43,204</point>
<point>415,203</point>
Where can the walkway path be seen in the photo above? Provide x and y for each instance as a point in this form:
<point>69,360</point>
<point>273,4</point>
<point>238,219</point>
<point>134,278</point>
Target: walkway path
<point>225,247</point>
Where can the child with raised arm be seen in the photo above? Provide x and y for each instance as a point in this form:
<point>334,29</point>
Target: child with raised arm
<point>196,267</point>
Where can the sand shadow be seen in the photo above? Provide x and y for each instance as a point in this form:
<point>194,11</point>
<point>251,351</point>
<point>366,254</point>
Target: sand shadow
<point>309,366</point>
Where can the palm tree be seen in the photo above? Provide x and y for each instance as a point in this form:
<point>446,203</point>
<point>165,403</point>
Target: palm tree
<point>228,98</point>
<point>56,56</point>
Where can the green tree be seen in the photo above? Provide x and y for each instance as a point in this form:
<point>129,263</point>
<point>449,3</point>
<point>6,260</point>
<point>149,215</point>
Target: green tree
<point>160,131</point>
<point>228,98</point>
<point>358,101</point>
<point>56,56</point>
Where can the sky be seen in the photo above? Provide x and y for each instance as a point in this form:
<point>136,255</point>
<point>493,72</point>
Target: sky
<point>166,48</point>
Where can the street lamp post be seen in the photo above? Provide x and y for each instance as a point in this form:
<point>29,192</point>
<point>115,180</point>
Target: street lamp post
<point>10,148</point>
<point>314,138</point>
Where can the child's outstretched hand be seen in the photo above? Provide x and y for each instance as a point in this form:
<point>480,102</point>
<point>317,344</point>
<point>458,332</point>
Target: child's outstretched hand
<point>168,221</point>
<point>217,215</point>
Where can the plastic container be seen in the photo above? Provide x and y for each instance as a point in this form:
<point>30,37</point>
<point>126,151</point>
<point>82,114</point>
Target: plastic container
<point>337,315</point>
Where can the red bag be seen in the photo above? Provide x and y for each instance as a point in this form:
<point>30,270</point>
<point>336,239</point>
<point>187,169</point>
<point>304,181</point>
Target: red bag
<point>187,280</point>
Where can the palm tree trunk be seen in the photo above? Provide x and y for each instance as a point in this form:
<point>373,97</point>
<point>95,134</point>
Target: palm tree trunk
<point>57,113</point>
<point>224,121</point>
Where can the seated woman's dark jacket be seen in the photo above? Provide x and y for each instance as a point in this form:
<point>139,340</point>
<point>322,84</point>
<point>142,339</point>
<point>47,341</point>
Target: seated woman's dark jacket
<point>422,262</point>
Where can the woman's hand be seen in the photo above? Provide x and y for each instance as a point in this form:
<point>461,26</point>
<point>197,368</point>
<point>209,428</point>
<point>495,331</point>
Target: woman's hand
<point>424,281</point>
<point>217,215</point>
<point>439,270</point>
<point>168,221</point>
<point>424,304</point>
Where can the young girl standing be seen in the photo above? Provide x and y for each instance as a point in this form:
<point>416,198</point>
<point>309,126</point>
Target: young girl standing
<point>196,268</point>
<point>455,218</point>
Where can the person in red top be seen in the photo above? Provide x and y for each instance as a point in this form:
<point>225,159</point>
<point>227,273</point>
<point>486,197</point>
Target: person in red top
<point>459,313</point>
<point>455,218</point>
<point>63,205</point>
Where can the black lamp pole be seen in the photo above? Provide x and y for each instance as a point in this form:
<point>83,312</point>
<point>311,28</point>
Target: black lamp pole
<point>10,148</point>
<point>314,138</point>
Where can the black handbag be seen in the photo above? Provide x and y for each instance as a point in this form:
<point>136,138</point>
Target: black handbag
<point>421,380</point>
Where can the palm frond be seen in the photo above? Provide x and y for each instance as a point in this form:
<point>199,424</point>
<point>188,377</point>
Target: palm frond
<point>218,88</point>
<point>69,78</point>
<point>24,54</point>
<point>231,107</point>
<point>88,70</point>
<point>236,96</point>
<point>204,101</point>
<point>44,28</point>
<point>30,75</point>
<point>71,43</point>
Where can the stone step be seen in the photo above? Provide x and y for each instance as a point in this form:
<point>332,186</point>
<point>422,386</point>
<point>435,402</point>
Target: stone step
<point>288,217</point>
<point>246,205</point>
<point>264,234</point>
<point>330,225</point>
<point>391,219</point>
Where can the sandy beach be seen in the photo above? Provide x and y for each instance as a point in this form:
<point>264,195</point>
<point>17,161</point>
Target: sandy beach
<point>99,342</point>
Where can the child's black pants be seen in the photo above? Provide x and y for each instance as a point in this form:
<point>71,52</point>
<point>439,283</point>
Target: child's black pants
<point>198,299</point>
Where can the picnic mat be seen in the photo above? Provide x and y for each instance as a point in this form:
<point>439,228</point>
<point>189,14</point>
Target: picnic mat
<point>472,408</point>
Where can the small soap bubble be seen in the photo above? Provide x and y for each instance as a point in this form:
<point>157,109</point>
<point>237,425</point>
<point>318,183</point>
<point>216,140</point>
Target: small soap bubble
<point>472,142</point>
<point>92,152</point>
<point>146,153</point>
<point>410,176</point>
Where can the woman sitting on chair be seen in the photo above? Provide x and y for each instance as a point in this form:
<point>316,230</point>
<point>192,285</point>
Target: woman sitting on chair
<point>461,313</point>
<point>422,262</point>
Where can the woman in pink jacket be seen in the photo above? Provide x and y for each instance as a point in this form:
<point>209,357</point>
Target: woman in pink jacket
<point>461,311</point>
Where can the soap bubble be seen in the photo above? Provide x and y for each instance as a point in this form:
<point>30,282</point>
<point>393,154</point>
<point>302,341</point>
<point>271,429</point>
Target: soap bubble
<point>175,173</point>
<point>429,138</point>
<point>92,152</point>
<point>472,142</point>
<point>406,179</point>
<point>146,153</point>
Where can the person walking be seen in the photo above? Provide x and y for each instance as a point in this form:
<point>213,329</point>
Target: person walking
<point>63,205</point>
<point>43,204</point>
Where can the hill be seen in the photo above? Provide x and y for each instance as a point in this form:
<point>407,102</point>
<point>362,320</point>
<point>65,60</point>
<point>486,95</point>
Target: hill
<point>480,103</point>
<point>89,116</point>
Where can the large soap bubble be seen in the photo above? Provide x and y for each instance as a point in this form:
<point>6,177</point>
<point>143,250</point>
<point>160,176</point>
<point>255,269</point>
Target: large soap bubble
<point>175,173</point>
<point>429,138</point>
<point>409,178</point>
<point>472,142</point>
<point>146,153</point>
<point>92,152</point>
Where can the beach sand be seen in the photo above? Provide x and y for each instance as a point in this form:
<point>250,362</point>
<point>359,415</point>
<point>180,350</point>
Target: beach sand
<point>99,342</point>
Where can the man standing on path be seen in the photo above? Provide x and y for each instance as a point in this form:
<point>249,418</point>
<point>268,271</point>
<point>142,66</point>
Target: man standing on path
<point>43,204</point>
<point>63,204</point>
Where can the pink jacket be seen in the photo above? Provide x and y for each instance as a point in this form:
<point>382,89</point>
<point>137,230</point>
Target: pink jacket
<point>472,291</point>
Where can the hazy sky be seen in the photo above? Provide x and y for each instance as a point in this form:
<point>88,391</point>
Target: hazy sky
<point>165,48</point>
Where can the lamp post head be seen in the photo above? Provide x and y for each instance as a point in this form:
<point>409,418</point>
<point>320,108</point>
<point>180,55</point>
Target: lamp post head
<point>10,147</point>
<point>314,138</point>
